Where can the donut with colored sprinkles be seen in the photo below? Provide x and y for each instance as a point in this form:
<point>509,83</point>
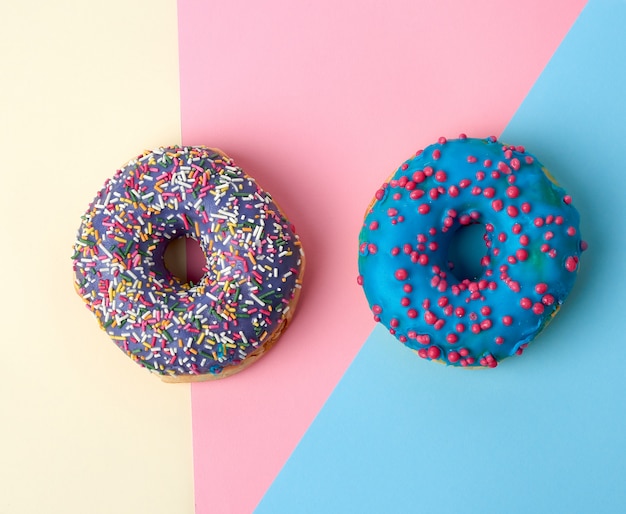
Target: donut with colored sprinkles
<point>533,249</point>
<point>254,264</point>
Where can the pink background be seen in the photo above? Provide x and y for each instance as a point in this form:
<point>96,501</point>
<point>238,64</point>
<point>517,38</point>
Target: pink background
<point>321,102</point>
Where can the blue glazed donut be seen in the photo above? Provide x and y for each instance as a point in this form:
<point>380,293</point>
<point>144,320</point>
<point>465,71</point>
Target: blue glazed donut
<point>254,264</point>
<point>533,247</point>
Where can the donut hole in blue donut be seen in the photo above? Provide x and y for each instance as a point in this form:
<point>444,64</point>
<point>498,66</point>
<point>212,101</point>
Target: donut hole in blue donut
<point>185,259</point>
<point>466,250</point>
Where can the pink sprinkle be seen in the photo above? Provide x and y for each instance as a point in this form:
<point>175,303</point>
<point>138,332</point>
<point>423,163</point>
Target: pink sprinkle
<point>503,167</point>
<point>453,356</point>
<point>521,254</point>
<point>419,176</point>
<point>436,154</point>
<point>538,308</point>
<point>434,352</point>
<point>424,208</point>
<point>441,176</point>
<point>512,192</point>
<point>567,199</point>
<point>430,318</point>
<point>497,205</point>
<point>571,264</point>
<point>401,274</point>
<point>507,320</point>
<point>423,339</point>
<point>526,303</point>
<point>489,192</point>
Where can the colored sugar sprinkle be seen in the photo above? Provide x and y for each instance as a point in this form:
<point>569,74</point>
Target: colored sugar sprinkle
<point>532,241</point>
<point>253,261</point>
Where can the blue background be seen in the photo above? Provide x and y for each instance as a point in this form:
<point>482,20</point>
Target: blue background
<point>542,433</point>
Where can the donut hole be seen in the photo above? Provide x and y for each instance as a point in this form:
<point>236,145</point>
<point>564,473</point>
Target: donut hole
<point>466,250</point>
<point>185,259</point>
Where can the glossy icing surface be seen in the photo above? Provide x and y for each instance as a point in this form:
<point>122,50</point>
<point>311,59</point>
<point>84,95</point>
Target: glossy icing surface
<point>532,251</point>
<point>253,268</point>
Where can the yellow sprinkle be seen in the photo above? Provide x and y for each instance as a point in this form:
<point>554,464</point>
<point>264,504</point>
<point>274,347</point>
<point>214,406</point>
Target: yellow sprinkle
<point>200,338</point>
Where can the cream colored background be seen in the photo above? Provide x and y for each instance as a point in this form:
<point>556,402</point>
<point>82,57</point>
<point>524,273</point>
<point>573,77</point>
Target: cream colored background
<point>84,86</point>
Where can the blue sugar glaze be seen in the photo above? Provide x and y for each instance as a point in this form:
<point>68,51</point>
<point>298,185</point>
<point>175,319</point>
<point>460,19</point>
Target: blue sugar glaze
<point>533,249</point>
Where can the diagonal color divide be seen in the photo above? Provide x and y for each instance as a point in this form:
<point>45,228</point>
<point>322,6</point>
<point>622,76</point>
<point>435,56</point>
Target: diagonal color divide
<point>320,102</point>
<point>542,433</point>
